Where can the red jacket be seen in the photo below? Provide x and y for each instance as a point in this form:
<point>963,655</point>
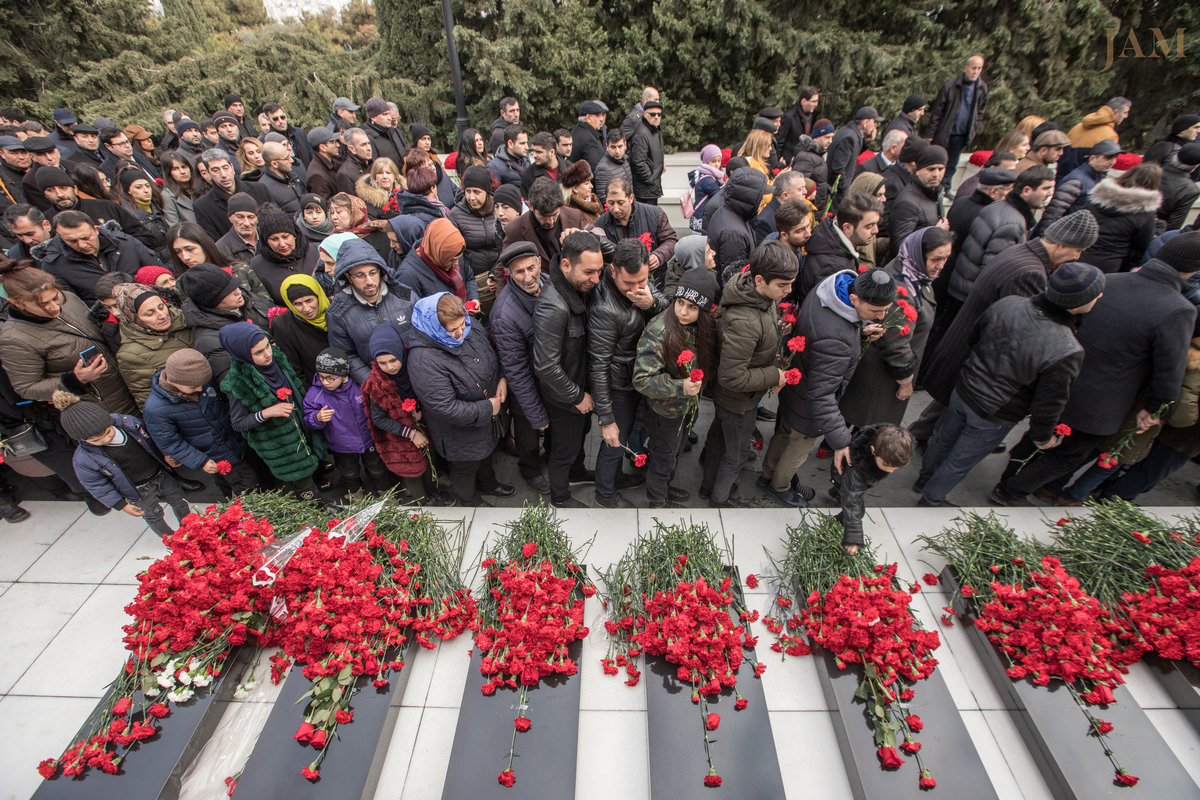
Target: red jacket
<point>400,454</point>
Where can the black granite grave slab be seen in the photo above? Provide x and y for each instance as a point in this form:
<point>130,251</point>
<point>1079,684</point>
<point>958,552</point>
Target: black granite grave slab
<point>350,770</point>
<point>1181,680</point>
<point>1055,731</point>
<point>153,769</point>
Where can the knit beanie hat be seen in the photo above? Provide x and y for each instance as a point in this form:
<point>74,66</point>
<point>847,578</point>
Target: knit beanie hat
<point>273,222</point>
<point>223,116</point>
<point>53,177</point>
<point>912,148</point>
<point>1074,284</point>
<point>707,153</point>
<point>146,276</point>
<point>187,368</point>
<point>81,419</point>
<point>418,130</point>
<point>507,194</point>
<point>207,284</point>
<point>241,202</point>
<point>932,155</point>
<point>1074,230</point>
<point>1188,155</point>
<point>477,177</point>
<point>333,361</point>
<point>312,199</point>
<point>875,286</point>
<point>232,98</point>
<point>129,176</point>
<point>185,125</point>
<point>1182,252</point>
<point>913,102</point>
<point>698,286</point>
<point>1184,122</point>
<point>821,127</point>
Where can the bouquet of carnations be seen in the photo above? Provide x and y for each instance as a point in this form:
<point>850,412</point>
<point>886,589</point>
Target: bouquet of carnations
<point>856,609</point>
<point>671,596</point>
<point>531,613</point>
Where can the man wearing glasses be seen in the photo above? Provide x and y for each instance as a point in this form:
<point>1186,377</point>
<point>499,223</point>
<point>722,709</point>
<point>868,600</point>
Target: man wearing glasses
<point>646,155</point>
<point>278,120</point>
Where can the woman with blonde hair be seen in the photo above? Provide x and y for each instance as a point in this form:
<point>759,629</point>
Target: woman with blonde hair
<point>757,148</point>
<point>378,188</point>
<point>1015,142</point>
<point>250,160</point>
<point>1029,123</point>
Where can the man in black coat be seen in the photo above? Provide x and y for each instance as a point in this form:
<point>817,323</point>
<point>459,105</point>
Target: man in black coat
<point>788,186</point>
<point>646,155</point>
<point>87,146</point>
<point>510,114</point>
<point>358,161</point>
<point>920,204</point>
<point>731,231</point>
<point>832,247</point>
<point>624,301</point>
<point>628,218</point>
<point>848,144</point>
<point>282,185</point>
<point>560,360</point>
<point>279,123</point>
<point>889,153</point>
<point>586,141</point>
<point>797,121</point>
<point>1136,338</point>
<point>119,154</point>
<point>957,114</point>
<point>386,141</point>
<point>212,209</point>
<point>59,189</point>
<point>544,160</point>
<point>910,113</point>
<point>81,253</point>
<point>14,164</point>
<point>897,176</point>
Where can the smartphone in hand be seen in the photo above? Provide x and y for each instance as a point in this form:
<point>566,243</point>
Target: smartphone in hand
<point>89,355</point>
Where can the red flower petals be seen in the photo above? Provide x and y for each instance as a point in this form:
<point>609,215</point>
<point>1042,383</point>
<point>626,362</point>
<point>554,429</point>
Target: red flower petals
<point>930,579</point>
<point>712,722</point>
<point>714,780</point>
<point>752,581</point>
<point>890,758</point>
<point>522,724</point>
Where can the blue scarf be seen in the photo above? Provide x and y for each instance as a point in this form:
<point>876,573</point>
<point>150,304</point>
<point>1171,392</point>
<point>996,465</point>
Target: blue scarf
<point>425,319</point>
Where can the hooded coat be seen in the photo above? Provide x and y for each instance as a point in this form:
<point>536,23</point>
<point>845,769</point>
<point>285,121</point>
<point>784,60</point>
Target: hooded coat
<point>1126,217</point>
<point>689,254</point>
<point>192,431</point>
<point>731,231</point>
<point>143,353</point>
<point>351,318</point>
<point>511,321</point>
<point>809,161</point>
<point>828,252</point>
<point>507,168</point>
<point>414,212</point>
<point>853,482</point>
<point>748,338</point>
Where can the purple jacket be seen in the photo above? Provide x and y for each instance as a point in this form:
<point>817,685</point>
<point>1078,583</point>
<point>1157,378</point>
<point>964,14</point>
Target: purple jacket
<point>347,431</point>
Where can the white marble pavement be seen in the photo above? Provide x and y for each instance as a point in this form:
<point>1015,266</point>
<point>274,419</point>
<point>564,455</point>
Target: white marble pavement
<point>64,583</point>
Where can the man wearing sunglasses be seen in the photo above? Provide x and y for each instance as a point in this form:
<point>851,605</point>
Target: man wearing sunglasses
<point>278,120</point>
<point>646,155</point>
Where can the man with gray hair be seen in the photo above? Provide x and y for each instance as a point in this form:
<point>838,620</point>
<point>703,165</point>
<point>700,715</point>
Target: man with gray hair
<point>889,153</point>
<point>282,184</point>
<point>788,186</point>
<point>212,209</point>
<point>629,124</point>
<point>359,155</point>
<point>1096,127</point>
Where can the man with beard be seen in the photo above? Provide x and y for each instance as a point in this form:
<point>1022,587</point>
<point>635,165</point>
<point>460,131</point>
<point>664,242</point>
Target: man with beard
<point>228,132</point>
<point>628,218</point>
<point>87,146</point>
<point>920,204</point>
<point>279,123</point>
<point>326,161</point>
<point>848,144</point>
<point>29,227</point>
<point>546,162</point>
<point>59,189</point>
<point>15,163</point>
<point>366,296</point>
<point>212,209</point>
<point>191,144</point>
<point>81,253</point>
<point>545,223</point>
<point>282,186</point>
<point>834,243</point>
<point>357,163</point>
<point>509,162</point>
<point>1047,149</point>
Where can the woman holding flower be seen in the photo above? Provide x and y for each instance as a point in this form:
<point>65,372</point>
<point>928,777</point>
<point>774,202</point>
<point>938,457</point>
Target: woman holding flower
<point>883,382</point>
<point>264,395</point>
<point>675,356</point>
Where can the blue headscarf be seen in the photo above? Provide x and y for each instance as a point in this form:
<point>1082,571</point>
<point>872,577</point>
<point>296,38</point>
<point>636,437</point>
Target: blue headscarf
<point>425,319</point>
<point>385,340</point>
<point>238,339</point>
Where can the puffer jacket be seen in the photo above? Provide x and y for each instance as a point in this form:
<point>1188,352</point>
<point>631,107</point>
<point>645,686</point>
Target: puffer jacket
<point>827,253</point>
<point>78,273</point>
<point>560,342</point>
<point>273,270</point>
<point>208,323</point>
<point>101,475</point>
<point>1126,217</point>
<point>482,234</point>
<point>895,178</point>
<point>731,231</point>
<point>833,335</point>
<point>414,273</point>
<point>1179,193</point>
<point>453,385</point>
<point>143,354</point>
<point>809,161</point>
<point>40,356</point>
<point>192,431</point>
<point>997,228</point>
<point>351,319</point>
<point>511,321</point>
<point>506,168</point>
<point>614,327</point>
<point>646,159</point>
<point>748,337</point>
<point>347,430</point>
<point>853,482</point>
<point>607,169</point>
<point>661,383</point>
<point>1070,196</point>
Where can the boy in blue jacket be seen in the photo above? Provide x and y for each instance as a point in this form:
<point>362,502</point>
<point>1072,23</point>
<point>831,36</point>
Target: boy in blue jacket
<point>120,466</point>
<point>334,406</point>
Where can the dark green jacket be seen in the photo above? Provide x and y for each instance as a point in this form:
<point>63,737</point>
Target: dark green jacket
<point>748,335</point>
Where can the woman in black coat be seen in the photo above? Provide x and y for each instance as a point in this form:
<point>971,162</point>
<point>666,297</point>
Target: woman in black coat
<point>1126,210</point>
<point>282,252</point>
<point>301,333</point>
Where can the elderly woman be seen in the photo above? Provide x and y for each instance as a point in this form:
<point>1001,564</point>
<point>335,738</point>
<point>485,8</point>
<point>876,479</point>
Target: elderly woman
<point>456,375</point>
<point>883,382</point>
<point>151,331</point>
<point>577,191</point>
<point>435,265</point>
<point>282,251</point>
<point>349,215</point>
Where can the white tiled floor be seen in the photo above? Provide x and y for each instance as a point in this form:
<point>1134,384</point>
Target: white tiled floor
<point>65,581</point>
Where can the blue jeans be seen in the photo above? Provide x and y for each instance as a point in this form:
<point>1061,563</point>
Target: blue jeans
<point>962,441</point>
<point>1145,475</point>
<point>608,460</point>
<point>954,149</point>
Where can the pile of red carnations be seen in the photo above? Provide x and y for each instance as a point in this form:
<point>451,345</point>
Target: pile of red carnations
<point>1167,614</point>
<point>192,608</point>
<point>855,609</point>
<point>531,614</point>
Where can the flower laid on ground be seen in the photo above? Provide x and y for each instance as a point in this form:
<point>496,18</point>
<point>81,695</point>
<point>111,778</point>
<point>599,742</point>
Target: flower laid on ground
<point>671,596</point>
<point>856,609</point>
<point>531,613</point>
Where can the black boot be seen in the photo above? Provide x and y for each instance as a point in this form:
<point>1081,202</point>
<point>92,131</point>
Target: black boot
<point>11,511</point>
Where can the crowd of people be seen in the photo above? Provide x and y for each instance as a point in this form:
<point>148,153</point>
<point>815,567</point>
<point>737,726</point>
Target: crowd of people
<point>345,310</point>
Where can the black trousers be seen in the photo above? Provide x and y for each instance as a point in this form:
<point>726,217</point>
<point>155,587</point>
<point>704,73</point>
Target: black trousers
<point>241,479</point>
<point>566,449</point>
<point>349,466</point>
<point>667,438</point>
<point>471,476</point>
<point>1045,465</point>
<point>529,460</point>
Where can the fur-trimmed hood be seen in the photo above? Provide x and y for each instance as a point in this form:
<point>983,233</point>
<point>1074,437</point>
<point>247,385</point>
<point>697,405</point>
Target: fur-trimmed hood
<point>1110,195</point>
<point>371,194</point>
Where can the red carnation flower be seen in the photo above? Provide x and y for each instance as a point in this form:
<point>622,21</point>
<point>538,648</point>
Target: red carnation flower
<point>647,240</point>
<point>639,460</point>
<point>697,376</point>
<point>1062,521</point>
<point>758,445</point>
<point>901,291</point>
<point>1141,537</point>
<point>685,358</point>
<point>158,710</point>
<point>890,758</point>
<point>905,330</point>
<point>1103,727</point>
<point>712,722</point>
<point>752,581</point>
<point>790,319</point>
<point>275,311</point>
<point>930,579</point>
<point>507,778</point>
<point>714,780</point>
<point>792,376</point>
<point>409,405</point>
<point>529,549</point>
<point>1126,779</point>
<point>1062,430</point>
<point>224,468</point>
<point>863,268</point>
<point>522,724</point>
<point>741,703</point>
<point>927,781</point>
<point>342,716</point>
<point>796,344</point>
<point>283,394</point>
<point>47,768</point>
<point>471,305</point>
<point>310,773</point>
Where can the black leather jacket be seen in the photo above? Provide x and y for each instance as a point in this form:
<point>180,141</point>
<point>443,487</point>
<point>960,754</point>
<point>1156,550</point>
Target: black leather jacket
<point>560,341</point>
<point>614,326</point>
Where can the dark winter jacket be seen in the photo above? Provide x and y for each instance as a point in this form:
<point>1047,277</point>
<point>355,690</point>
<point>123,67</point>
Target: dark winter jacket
<point>322,176</point>
<point>960,217</point>
<point>1126,218</point>
<point>606,170</point>
<point>656,379</point>
<point>997,228</point>
<point>875,164</point>
<point>99,473</point>
<point>418,276</point>
<point>534,171</point>
<point>853,482</point>
<point>614,325</point>
<point>895,178</point>
<point>212,210</point>
<point>917,207</point>
<point>842,159</point>
<point>236,247</point>
<point>1179,193</point>
<point>414,213</point>
<point>524,229</point>
<point>646,160</point>
<point>792,127</point>
<point>192,431</point>
<point>453,385</point>
<point>102,211</point>
<point>560,350</point>
<point>643,219</point>
<point>511,322</point>
<point>207,323</point>
<point>944,112</point>
<point>1137,334</point>
<point>273,270</point>
<point>1023,361</point>
<point>731,231</point>
<point>301,342</point>
<point>507,168</point>
<point>483,236</point>
<point>347,430</point>
<point>587,144</point>
<point>285,193</point>
<point>78,273</point>
<point>350,172</point>
<point>386,142</point>
<point>299,141</point>
<point>827,253</point>
<point>748,337</point>
<point>1070,196</point>
<point>91,158</point>
<point>13,192</point>
<point>809,161</point>
<point>833,342</point>
<point>351,319</point>
<point>901,122</point>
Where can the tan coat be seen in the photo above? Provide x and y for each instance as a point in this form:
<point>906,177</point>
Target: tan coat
<point>1095,128</point>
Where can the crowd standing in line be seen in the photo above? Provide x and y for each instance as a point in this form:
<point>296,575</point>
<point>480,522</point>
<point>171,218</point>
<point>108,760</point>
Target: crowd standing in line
<point>342,309</point>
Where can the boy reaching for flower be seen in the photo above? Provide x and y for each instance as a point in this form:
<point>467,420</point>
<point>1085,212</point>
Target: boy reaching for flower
<point>875,452</point>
